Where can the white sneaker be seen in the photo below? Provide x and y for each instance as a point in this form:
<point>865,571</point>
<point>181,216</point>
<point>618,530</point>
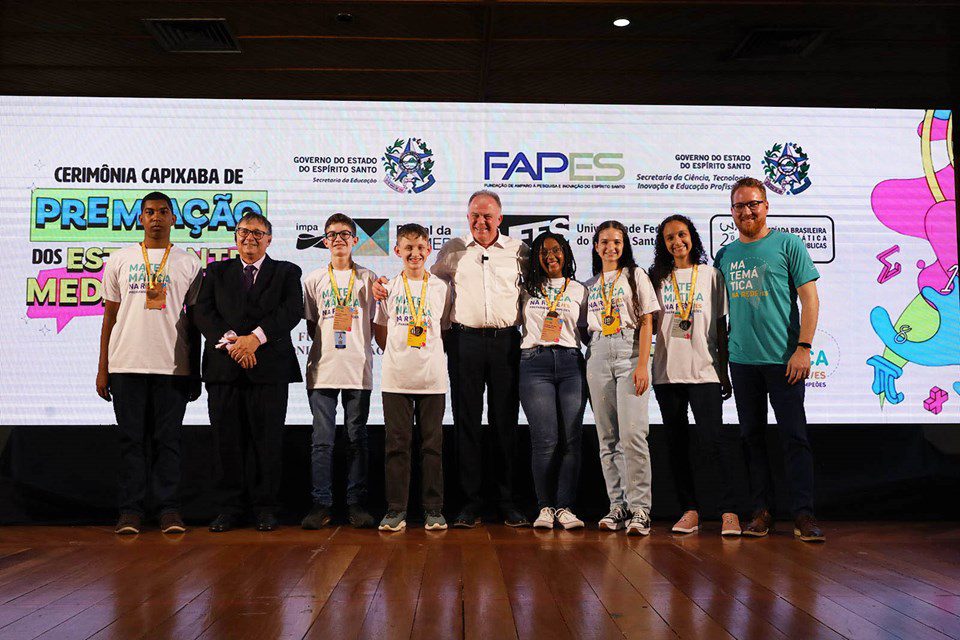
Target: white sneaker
<point>568,519</point>
<point>545,519</point>
<point>615,520</point>
<point>639,524</point>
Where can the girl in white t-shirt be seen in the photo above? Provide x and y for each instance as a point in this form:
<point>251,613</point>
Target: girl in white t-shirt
<point>690,368</point>
<point>620,305</point>
<point>553,391</point>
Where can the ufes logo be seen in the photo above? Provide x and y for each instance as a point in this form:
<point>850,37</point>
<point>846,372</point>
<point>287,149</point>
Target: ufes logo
<point>578,167</point>
<point>526,228</point>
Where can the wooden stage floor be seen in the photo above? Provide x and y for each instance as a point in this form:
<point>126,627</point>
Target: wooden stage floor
<point>870,580</point>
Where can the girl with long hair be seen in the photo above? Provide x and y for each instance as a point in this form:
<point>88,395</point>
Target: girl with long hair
<point>620,303</point>
<point>690,368</point>
<point>552,387</point>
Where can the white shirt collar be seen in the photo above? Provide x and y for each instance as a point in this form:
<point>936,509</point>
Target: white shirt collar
<point>469,240</point>
<point>257,265</point>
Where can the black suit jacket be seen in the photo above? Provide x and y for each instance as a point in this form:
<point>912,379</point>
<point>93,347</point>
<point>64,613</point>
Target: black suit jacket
<point>275,304</point>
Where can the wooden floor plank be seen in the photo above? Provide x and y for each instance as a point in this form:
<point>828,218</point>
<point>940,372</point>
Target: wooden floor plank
<point>85,583</point>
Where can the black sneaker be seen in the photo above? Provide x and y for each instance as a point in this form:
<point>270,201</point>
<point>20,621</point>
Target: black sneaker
<point>513,517</point>
<point>128,524</point>
<point>318,517</point>
<point>360,518</point>
<point>467,519</point>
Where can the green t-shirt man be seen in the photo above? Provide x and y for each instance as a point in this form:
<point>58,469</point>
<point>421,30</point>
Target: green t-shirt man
<point>762,278</point>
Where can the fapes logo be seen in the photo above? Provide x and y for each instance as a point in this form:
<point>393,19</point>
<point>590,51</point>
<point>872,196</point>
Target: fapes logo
<point>578,167</point>
<point>526,228</point>
<point>373,235</point>
<point>787,168</point>
<point>408,166</point>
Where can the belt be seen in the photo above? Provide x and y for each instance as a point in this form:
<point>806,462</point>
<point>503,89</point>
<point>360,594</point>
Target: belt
<point>486,332</point>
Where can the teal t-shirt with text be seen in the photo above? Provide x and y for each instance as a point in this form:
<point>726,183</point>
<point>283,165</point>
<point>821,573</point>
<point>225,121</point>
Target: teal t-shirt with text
<point>761,279</point>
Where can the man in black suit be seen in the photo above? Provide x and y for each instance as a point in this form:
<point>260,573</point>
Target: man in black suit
<point>246,310</point>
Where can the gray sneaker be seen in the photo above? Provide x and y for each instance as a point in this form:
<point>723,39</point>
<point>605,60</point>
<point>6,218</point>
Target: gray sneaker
<point>639,524</point>
<point>394,521</point>
<point>434,520</point>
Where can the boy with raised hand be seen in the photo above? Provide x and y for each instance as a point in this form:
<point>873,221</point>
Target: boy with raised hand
<point>339,308</point>
<point>414,378</point>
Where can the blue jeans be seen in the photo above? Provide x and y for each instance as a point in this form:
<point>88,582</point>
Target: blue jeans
<point>752,384</point>
<point>356,407</point>
<point>553,393</point>
<point>622,418</point>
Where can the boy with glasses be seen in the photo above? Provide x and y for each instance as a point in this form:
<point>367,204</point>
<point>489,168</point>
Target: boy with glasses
<point>339,308</point>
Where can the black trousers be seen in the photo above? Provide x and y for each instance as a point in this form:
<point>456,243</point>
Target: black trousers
<point>752,385</point>
<point>149,409</point>
<point>490,360</point>
<point>248,421</point>
<point>715,441</point>
<point>399,410</point>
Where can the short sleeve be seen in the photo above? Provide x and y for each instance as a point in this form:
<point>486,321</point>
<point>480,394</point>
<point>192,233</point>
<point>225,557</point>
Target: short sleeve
<point>310,309</point>
<point>584,298</point>
<point>717,261</point>
<point>648,297</point>
<point>111,284</point>
<point>799,263</point>
<point>719,300</point>
<point>382,314</point>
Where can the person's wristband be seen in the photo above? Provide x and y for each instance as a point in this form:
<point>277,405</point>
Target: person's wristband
<point>805,345</point>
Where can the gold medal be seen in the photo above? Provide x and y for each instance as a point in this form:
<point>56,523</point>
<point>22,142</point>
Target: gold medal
<point>416,330</point>
<point>684,309</point>
<point>343,313</point>
<point>552,324</point>
<point>611,312</point>
<point>156,289</point>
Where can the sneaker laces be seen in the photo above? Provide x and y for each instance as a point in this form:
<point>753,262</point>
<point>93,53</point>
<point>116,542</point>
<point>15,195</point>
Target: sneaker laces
<point>640,517</point>
<point>617,514</point>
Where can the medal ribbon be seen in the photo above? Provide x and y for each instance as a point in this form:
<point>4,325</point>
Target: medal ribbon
<point>416,318</point>
<point>553,305</point>
<point>685,308</point>
<point>606,296</point>
<point>152,279</point>
<point>336,288</point>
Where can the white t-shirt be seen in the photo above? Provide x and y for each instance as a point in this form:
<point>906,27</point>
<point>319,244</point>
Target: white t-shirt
<point>622,298</point>
<point>327,366</point>
<point>572,309</point>
<point>406,369</point>
<point>690,361</point>
<point>150,340</point>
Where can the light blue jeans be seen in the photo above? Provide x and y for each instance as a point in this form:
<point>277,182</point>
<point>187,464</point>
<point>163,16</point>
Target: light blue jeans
<point>622,419</point>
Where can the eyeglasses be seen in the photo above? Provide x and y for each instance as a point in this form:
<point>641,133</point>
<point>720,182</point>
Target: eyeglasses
<point>344,235</point>
<point>753,204</point>
<point>556,251</point>
<point>243,232</point>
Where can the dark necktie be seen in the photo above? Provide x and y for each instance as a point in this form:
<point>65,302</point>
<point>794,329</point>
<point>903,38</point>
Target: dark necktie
<point>247,278</point>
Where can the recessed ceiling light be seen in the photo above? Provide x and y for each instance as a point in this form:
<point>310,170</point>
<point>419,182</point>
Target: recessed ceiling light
<point>621,22</point>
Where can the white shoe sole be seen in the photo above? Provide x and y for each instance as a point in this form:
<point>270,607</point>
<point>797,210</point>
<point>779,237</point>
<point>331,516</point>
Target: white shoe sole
<point>542,525</point>
<point>685,530</point>
<point>731,534</point>
<point>638,532</point>
<point>603,526</point>
<point>435,527</point>
<point>399,527</point>
<point>572,525</point>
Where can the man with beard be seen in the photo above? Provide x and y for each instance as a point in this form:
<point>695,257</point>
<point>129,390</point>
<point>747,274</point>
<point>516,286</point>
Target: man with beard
<point>765,271</point>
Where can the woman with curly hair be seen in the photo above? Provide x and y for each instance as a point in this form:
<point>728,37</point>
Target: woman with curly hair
<point>552,387</point>
<point>690,368</point>
<point>621,301</point>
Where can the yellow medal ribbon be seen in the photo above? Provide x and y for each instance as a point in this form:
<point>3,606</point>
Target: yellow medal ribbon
<point>155,278</point>
<point>552,306</point>
<point>685,308</point>
<point>607,296</point>
<point>416,317</point>
<point>336,288</point>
